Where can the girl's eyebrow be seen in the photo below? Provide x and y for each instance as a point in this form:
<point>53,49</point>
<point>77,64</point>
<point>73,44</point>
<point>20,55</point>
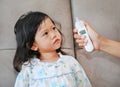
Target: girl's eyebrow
<point>42,31</point>
<point>45,29</point>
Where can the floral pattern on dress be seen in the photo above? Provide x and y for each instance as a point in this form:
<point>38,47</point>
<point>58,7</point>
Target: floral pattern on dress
<point>65,72</point>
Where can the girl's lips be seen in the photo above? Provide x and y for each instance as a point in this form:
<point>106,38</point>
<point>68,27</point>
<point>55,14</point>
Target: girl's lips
<point>57,41</point>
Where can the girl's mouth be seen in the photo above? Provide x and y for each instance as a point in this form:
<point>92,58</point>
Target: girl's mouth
<point>57,41</point>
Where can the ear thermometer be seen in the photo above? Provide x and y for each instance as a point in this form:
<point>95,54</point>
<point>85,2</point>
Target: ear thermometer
<point>83,31</point>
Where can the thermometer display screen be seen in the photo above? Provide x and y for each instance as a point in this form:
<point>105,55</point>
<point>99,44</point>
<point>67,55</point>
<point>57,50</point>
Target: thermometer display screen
<point>82,32</point>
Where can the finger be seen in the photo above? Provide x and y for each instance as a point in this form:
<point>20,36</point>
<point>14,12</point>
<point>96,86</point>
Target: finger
<point>75,30</point>
<point>80,41</point>
<point>81,45</point>
<point>83,37</point>
<point>76,36</point>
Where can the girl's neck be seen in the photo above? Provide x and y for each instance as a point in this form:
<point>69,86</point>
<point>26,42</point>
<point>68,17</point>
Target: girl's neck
<point>49,57</point>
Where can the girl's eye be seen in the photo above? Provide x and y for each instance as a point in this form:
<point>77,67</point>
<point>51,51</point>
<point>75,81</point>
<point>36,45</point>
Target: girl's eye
<point>54,28</point>
<point>46,33</point>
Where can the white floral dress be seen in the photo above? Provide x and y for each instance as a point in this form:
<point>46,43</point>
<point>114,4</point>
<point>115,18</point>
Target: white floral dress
<point>65,72</point>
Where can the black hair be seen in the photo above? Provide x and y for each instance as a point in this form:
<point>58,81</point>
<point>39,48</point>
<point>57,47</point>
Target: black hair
<point>25,30</point>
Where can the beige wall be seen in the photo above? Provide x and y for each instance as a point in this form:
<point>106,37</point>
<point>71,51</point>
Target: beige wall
<point>104,16</point>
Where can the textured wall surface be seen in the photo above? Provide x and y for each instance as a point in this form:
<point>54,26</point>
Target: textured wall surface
<point>104,16</point>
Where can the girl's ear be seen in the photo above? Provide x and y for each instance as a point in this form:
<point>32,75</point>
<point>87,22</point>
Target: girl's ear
<point>34,47</point>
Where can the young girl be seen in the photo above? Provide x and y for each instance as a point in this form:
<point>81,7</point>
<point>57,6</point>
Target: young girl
<point>38,57</point>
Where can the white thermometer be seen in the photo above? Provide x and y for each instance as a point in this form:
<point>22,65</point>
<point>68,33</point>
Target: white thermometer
<point>83,31</point>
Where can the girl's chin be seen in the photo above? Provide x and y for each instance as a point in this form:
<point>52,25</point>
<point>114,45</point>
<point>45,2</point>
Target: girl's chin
<point>57,45</point>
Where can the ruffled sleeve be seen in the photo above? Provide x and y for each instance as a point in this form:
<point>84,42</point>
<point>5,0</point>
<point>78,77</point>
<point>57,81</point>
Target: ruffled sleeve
<point>22,79</point>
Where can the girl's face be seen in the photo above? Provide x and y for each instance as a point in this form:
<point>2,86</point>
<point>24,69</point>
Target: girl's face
<point>47,38</point>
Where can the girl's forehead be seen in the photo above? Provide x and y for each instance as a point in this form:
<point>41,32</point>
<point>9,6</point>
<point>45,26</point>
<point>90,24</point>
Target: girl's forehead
<point>46,24</point>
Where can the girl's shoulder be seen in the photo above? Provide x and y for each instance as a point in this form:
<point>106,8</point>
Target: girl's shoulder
<point>29,64</point>
<point>67,57</point>
<point>70,60</point>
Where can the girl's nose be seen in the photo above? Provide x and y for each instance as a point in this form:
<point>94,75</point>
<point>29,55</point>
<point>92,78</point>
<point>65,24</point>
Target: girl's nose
<point>52,34</point>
